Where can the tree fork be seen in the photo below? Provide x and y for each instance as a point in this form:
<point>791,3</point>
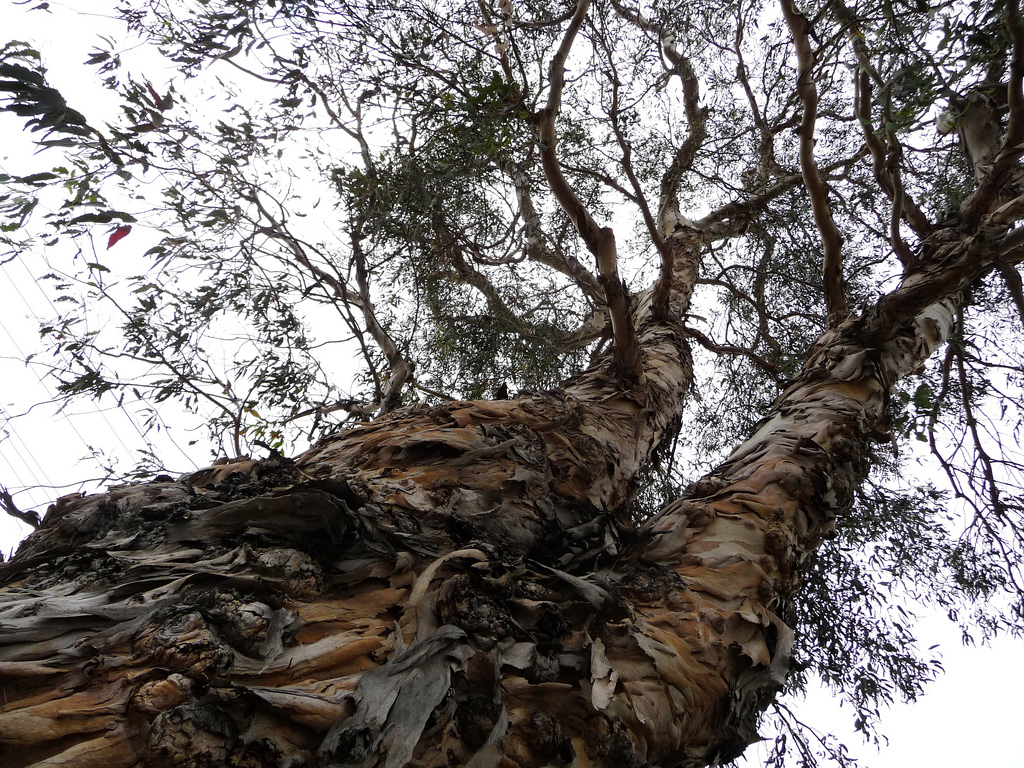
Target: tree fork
<point>409,592</point>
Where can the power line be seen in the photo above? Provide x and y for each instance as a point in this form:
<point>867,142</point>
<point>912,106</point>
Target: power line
<point>95,406</point>
<point>127,414</point>
<point>23,451</point>
<point>43,383</point>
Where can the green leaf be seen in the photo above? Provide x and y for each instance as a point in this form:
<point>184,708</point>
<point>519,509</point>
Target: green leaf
<point>923,397</point>
<point>103,218</point>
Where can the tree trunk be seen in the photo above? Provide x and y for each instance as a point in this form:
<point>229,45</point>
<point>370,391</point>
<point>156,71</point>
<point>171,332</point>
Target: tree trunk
<point>468,584</point>
<point>449,585</point>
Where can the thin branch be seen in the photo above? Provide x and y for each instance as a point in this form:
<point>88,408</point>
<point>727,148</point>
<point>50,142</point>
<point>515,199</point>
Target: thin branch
<point>733,218</point>
<point>279,231</point>
<point>731,349</point>
<point>972,425</point>
<point>741,75</point>
<point>695,116</point>
<point>766,164</point>
<point>401,368</point>
<point>832,266</point>
<point>449,245</point>
<point>538,248</point>
<point>669,216</point>
<point>670,220</point>
<point>432,392</point>
<point>501,46</point>
<point>885,162</point>
<point>638,193</point>
<point>187,379</point>
<point>349,405</point>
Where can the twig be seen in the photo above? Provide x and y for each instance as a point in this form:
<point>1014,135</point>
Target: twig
<point>731,349</point>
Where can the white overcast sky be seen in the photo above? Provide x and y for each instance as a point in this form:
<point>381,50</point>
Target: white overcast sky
<point>968,717</point>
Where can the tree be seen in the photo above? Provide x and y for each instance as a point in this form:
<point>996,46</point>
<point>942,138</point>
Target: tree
<point>533,579</point>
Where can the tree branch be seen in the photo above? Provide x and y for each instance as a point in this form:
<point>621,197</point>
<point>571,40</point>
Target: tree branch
<point>661,303</point>
<point>600,240</point>
<point>766,164</point>
<point>733,218</point>
<point>731,349</point>
<point>401,367</point>
<point>450,246</point>
<point>537,246</point>
<point>890,182</point>
<point>832,266</point>
<point>885,163</point>
<point>672,277</point>
<point>1011,278</point>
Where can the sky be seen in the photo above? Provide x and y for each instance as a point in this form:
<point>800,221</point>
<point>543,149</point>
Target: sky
<point>969,716</point>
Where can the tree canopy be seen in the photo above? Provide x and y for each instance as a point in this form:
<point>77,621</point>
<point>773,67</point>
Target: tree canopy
<point>354,210</point>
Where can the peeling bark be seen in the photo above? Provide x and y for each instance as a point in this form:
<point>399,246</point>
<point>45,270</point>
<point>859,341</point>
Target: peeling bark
<point>461,584</point>
<point>446,586</point>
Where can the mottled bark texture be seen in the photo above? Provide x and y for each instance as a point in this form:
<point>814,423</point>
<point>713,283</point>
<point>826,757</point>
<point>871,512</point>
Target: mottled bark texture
<point>456,585</point>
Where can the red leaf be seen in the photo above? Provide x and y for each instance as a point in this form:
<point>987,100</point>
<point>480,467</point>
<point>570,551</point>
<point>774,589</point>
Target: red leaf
<point>119,233</point>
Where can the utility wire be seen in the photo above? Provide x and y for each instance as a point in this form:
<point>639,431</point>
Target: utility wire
<point>40,378</point>
<point>24,450</point>
<point>21,354</point>
<point>125,411</point>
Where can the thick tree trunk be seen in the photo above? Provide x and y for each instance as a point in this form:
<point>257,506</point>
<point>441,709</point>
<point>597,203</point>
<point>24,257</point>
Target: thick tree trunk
<point>462,584</point>
<point>444,586</point>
